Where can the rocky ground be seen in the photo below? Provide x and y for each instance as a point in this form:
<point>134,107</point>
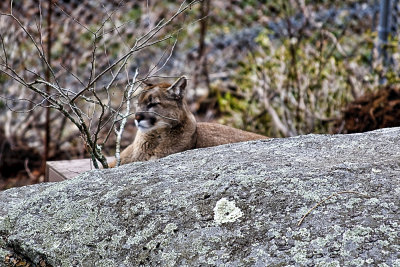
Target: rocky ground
<point>328,200</point>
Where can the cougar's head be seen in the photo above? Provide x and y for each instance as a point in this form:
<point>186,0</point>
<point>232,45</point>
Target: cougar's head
<point>162,106</point>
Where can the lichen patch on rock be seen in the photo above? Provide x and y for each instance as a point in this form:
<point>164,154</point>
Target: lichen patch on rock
<point>226,211</point>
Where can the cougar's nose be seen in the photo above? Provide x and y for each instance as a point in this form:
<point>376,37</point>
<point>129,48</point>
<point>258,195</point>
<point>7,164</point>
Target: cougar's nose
<point>139,116</point>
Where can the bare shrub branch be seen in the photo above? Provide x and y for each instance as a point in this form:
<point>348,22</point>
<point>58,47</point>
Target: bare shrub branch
<point>83,88</point>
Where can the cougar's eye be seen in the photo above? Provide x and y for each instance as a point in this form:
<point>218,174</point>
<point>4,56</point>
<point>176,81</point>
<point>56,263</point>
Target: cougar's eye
<point>152,104</point>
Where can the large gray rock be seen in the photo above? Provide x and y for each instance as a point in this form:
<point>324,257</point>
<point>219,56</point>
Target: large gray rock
<point>233,205</point>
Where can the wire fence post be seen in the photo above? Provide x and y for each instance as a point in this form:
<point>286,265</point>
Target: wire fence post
<point>384,30</point>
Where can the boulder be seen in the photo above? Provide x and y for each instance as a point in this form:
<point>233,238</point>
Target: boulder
<point>318,200</point>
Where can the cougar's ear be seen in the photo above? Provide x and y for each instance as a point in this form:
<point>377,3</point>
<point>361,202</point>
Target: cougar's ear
<point>177,89</point>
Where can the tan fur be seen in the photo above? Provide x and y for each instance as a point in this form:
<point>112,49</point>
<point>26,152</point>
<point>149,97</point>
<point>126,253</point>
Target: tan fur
<point>214,134</point>
<point>175,128</point>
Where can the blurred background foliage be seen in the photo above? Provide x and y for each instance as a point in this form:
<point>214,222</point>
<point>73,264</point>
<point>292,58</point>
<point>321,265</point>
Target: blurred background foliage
<point>279,68</point>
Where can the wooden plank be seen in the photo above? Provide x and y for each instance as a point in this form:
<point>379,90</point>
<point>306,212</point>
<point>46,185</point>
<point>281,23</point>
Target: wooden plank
<point>61,170</point>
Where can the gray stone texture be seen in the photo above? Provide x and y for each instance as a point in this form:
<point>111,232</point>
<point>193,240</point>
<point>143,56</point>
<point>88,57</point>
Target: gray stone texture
<point>232,205</point>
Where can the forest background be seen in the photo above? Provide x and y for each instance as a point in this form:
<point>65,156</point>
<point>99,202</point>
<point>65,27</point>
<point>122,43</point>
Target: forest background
<point>278,68</point>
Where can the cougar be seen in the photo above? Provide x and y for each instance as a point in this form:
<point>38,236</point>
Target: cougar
<point>166,126</point>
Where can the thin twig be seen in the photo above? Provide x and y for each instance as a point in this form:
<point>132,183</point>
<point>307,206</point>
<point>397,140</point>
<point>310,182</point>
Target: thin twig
<point>4,50</point>
<point>166,60</point>
<point>71,17</point>
<point>139,44</point>
<point>28,171</point>
<point>112,21</point>
<point>35,105</point>
<point>329,197</point>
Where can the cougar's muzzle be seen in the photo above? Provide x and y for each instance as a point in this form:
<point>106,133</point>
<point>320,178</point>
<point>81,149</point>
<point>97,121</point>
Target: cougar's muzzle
<point>145,120</point>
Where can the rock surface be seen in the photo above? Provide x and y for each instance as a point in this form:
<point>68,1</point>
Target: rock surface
<point>233,205</point>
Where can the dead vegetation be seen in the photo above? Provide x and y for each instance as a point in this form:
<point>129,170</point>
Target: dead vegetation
<point>380,109</point>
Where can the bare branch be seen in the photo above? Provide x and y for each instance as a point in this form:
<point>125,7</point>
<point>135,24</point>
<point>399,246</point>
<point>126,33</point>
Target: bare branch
<point>4,50</point>
<point>327,198</point>
<point>75,20</point>
<point>123,122</point>
<point>166,61</point>
<point>94,108</point>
